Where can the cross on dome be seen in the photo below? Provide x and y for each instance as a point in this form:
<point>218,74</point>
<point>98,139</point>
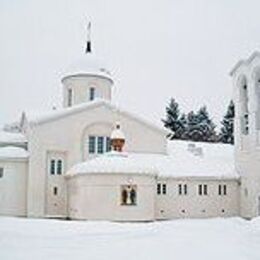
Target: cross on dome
<point>88,47</point>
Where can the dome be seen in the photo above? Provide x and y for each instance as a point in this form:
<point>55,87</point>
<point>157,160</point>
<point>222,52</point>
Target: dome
<point>88,64</point>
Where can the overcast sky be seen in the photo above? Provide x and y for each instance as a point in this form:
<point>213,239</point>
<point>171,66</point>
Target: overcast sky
<point>155,50</point>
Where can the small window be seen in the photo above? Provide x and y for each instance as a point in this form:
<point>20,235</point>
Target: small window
<point>203,189</point>
<point>108,144</point>
<point>92,144</point>
<point>200,189</point>
<point>55,191</point>
<point>164,189</point>
<point>128,195</point>
<point>59,167</point>
<point>180,189</point>
<point>100,144</point>
<point>219,189</point>
<point>158,188</point>
<point>222,189</point>
<point>246,124</point>
<point>52,167</point>
<point>1,172</point>
<point>92,93</point>
<point>183,190</point>
<point>69,97</point>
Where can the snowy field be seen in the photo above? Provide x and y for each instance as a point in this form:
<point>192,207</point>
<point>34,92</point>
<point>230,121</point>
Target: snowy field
<point>214,239</point>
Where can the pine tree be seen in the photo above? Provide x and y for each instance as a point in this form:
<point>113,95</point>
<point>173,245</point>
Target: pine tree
<point>227,129</point>
<point>206,125</point>
<point>193,131</point>
<point>172,121</point>
<point>199,126</point>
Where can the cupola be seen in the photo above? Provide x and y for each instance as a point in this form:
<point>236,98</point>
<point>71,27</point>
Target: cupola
<point>117,139</point>
<point>87,78</point>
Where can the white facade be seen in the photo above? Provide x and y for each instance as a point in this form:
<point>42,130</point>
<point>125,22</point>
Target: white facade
<point>246,84</point>
<point>13,181</point>
<point>64,168</point>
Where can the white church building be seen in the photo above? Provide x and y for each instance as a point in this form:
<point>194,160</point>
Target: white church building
<point>109,164</point>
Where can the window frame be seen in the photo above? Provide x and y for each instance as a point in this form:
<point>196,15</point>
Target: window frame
<point>128,188</point>
<point>164,189</point>
<point>52,169</point>
<point>92,144</point>
<point>100,144</point>
<point>203,189</point>
<point>59,165</point>
<point>55,191</point>
<point>92,93</point>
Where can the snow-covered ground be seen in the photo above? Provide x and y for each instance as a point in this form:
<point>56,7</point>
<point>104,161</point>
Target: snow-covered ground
<point>214,239</point>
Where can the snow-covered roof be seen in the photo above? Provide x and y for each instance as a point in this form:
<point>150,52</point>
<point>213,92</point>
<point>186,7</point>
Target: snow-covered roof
<point>11,152</point>
<point>244,62</point>
<point>9,138</point>
<point>216,162</point>
<point>56,114</point>
<point>117,134</point>
<point>114,162</point>
<point>88,64</point>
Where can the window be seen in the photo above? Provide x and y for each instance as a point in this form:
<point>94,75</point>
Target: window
<point>246,124</point>
<point>203,189</point>
<point>1,172</point>
<point>55,191</point>
<point>164,189</point>
<point>161,188</point>
<point>92,93</point>
<point>100,144</point>
<point>182,188</point>
<point>222,189</point>
<point>52,167</point>
<point>244,109</point>
<point>158,188</point>
<point>69,97</point>
<point>59,167</point>
<point>108,144</point>
<point>128,195</point>
<point>92,144</point>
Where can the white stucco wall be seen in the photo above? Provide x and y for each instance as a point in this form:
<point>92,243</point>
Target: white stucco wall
<point>81,84</point>
<point>13,187</point>
<point>172,205</point>
<point>98,197</point>
<point>67,134</point>
<point>247,147</point>
<point>56,203</point>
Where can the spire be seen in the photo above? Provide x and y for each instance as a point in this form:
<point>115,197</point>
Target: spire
<point>88,48</point>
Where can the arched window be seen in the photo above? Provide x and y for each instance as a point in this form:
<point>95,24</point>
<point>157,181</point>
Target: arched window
<point>244,117</point>
<point>96,139</point>
<point>128,195</point>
